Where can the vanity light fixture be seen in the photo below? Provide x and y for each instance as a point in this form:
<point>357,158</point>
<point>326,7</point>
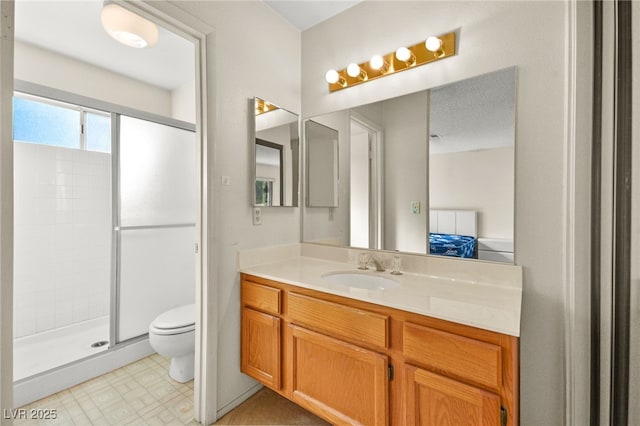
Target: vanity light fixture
<point>127,27</point>
<point>354,71</point>
<point>434,44</point>
<point>431,49</point>
<point>263,106</point>
<point>378,63</point>
<point>333,77</point>
<point>405,55</point>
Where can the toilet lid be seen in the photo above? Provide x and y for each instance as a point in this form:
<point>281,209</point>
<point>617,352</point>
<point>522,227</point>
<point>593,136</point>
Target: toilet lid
<point>179,317</point>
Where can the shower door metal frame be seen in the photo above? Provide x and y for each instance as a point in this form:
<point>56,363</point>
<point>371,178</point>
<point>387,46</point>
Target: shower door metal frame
<point>116,111</point>
<point>114,319</point>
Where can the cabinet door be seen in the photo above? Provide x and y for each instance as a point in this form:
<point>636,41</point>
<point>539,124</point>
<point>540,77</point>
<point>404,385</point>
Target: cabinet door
<point>344,383</point>
<point>437,400</point>
<point>260,356</point>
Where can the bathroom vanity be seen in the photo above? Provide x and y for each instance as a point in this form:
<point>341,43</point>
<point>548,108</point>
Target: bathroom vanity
<point>421,350</point>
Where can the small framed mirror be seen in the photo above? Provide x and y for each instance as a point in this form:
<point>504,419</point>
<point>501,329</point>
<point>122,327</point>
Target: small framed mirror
<point>322,165</point>
<point>276,143</point>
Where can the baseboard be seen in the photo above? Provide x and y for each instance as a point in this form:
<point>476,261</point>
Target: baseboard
<point>239,400</point>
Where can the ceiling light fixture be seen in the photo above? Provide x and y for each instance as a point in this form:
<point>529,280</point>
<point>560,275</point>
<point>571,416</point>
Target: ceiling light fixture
<point>428,50</point>
<point>127,27</point>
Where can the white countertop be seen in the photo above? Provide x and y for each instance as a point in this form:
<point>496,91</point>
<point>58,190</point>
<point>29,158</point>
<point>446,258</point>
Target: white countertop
<point>494,307</point>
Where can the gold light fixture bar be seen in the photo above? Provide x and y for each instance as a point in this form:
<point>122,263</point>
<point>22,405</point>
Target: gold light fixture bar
<point>263,106</point>
<point>419,55</point>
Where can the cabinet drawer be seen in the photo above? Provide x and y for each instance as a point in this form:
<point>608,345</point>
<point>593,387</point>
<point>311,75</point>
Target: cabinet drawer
<point>461,357</point>
<point>261,297</point>
<point>339,320</point>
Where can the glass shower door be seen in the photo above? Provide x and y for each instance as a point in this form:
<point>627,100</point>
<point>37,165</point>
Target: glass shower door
<point>156,223</point>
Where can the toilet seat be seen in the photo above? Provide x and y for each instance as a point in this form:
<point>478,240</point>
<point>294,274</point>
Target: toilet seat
<point>170,331</point>
<point>175,321</point>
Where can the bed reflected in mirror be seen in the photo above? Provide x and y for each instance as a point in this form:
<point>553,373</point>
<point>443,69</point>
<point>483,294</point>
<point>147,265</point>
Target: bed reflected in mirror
<point>471,166</point>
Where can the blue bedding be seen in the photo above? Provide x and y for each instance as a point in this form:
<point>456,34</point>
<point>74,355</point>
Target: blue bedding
<point>452,245</point>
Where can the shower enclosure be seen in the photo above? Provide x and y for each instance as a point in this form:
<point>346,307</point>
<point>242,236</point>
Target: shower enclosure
<point>105,213</point>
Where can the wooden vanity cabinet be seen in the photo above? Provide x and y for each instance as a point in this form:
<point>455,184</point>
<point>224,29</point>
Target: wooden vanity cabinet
<point>341,382</point>
<point>461,380</point>
<point>261,337</point>
<point>352,362</point>
<point>433,399</point>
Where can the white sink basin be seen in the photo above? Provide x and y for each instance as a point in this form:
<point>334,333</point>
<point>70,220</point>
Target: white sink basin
<point>360,280</point>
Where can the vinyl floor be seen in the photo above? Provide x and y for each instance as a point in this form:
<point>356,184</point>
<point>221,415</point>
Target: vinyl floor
<point>142,393</point>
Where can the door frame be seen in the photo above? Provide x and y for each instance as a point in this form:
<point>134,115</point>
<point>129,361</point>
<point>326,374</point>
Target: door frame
<point>376,179</point>
<point>178,21</point>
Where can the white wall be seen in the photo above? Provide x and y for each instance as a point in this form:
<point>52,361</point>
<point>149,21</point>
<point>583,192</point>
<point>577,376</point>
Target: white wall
<point>404,120</point>
<point>6,201</point>
<point>359,176</point>
<point>492,36</point>
<point>62,213</point>
<point>252,52</point>
<point>49,69</point>
<point>476,180</point>
<point>183,102</point>
<point>331,225</point>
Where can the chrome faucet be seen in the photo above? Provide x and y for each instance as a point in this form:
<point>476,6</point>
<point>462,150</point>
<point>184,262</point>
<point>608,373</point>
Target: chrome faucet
<point>379,263</point>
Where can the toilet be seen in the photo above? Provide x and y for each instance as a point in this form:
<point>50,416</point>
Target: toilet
<point>172,334</point>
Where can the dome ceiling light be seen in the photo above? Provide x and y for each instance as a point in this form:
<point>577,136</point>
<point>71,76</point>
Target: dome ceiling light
<point>127,27</point>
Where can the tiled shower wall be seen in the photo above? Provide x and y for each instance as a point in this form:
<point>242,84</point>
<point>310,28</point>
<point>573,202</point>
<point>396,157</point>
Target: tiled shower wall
<point>62,263</point>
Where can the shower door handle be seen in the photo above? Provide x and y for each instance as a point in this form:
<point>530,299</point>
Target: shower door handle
<point>139,227</point>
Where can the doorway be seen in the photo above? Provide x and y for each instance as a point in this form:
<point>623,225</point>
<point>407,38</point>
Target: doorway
<point>366,195</point>
<point>192,107</point>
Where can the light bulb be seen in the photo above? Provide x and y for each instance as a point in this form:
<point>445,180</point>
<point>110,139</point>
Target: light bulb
<point>376,62</point>
<point>332,76</point>
<point>403,54</point>
<point>353,70</point>
<point>433,44</point>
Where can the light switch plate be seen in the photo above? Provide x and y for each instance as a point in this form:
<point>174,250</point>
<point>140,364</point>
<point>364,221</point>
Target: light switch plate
<point>415,207</point>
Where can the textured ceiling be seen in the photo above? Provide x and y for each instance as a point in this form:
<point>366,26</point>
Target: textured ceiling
<point>473,114</point>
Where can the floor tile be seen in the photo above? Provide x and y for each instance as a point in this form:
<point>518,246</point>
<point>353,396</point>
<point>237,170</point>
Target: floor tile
<point>142,393</point>
<point>138,394</point>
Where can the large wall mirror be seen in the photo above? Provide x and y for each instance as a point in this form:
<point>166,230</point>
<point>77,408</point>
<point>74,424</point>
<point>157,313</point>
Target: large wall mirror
<point>426,166</point>
<point>276,146</point>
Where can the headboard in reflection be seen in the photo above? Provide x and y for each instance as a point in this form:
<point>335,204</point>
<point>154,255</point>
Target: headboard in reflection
<point>446,148</point>
<point>276,146</point>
